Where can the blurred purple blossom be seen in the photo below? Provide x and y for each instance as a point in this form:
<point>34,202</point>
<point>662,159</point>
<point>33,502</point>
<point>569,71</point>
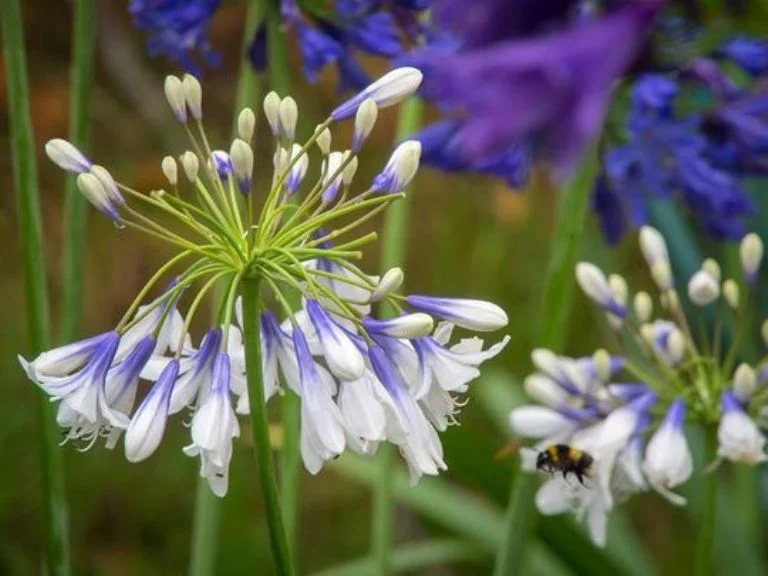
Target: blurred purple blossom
<point>547,92</point>
<point>177,29</point>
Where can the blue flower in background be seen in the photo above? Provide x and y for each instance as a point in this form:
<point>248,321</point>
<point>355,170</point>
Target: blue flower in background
<point>178,29</point>
<point>546,93</point>
<point>701,157</point>
<point>371,27</point>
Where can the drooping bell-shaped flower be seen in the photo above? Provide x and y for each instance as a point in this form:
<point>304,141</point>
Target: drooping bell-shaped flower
<point>477,315</point>
<point>740,440</point>
<point>668,460</point>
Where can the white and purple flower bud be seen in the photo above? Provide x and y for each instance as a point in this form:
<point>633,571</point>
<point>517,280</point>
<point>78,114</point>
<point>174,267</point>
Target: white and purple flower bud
<point>400,169</point>
<point>392,88</point>
<point>744,382</point>
<point>751,254</point>
<point>222,163</point>
<point>170,170</point>
<point>703,288</point>
<point>653,246</point>
<point>214,425</point>
<point>298,170</point>
<point>272,112</point>
<point>740,439</point>
<point>389,283</point>
<point>66,156</point>
<point>246,124</point>
<point>193,96</point>
<point>109,184</point>
<point>322,424</point>
<point>406,326</point>
<point>148,423</point>
<point>365,119</point>
<point>241,156</point>
<point>668,461</point>
<point>341,354</point>
<point>332,165</point>
<point>93,190</point>
<point>289,115</point>
<point>174,93</point>
<point>476,315</point>
<point>595,285</point>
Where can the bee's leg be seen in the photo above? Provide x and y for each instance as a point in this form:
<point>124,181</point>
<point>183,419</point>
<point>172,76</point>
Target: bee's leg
<point>565,477</point>
<point>581,479</point>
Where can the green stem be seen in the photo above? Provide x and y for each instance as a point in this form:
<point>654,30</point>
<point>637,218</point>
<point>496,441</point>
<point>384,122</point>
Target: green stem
<point>260,428</point>
<point>30,228</point>
<point>75,205</point>
<point>393,244</point>
<point>205,529</point>
<point>705,534</point>
<point>278,70</point>
<point>556,306</point>
<point>205,532</point>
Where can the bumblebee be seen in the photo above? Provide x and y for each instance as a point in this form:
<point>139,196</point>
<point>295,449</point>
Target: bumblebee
<point>565,459</point>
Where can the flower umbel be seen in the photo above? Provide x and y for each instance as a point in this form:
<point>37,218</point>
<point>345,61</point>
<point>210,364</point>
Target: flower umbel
<point>675,379</point>
<point>361,380</point>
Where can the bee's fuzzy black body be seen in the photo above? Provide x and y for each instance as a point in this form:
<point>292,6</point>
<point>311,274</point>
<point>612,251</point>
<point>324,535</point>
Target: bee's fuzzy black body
<point>565,459</point>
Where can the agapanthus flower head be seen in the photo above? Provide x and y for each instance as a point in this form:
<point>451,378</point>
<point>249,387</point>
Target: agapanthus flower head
<point>361,380</point>
<point>631,411</point>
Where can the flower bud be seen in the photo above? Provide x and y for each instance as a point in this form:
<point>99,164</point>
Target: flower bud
<point>712,267</point>
<point>298,170</point>
<point>703,289</point>
<point>170,170</point>
<point>108,182</point>
<point>619,287</point>
<point>289,114</point>
<point>174,93</point>
<point>731,293</point>
<point>331,166</point>
<point>191,165</point>
<point>93,190</point>
<point>393,87</point>
<point>653,246</point>
<point>751,253</point>
<point>545,391</point>
<point>593,283</point>
<point>272,112</point>
<point>602,362</point>
<point>364,122</point>
<point>744,382</point>
<point>323,141</point>
<point>193,95</point>
<point>349,172</point>
<point>417,325</point>
<point>67,156</point>
<point>400,169</point>
<point>675,346</point>
<point>662,275</point>
<point>643,306</point>
<point>390,282</point>
<point>222,163</point>
<point>241,155</point>
<point>246,124</point>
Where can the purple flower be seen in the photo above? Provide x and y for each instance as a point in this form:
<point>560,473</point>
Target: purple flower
<point>667,157</point>
<point>552,89</point>
<point>749,53</point>
<point>178,29</point>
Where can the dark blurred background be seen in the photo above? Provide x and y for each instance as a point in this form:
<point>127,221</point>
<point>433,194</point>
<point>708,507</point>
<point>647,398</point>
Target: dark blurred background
<point>468,237</point>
